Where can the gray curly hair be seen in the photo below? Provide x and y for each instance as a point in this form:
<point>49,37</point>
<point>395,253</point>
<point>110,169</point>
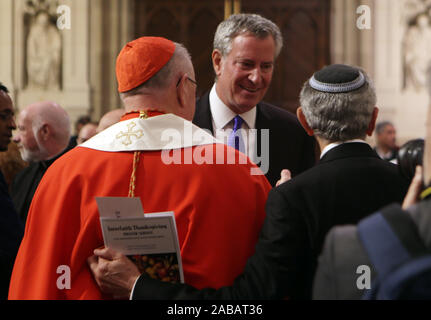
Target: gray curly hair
<point>339,116</point>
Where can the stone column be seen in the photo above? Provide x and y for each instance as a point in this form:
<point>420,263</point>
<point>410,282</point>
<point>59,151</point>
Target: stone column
<point>379,51</point>
<point>99,29</point>
<point>405,108</point>
<point>349,44</point>
<point>6,45</point>
<point>111,28</point>
<point>74,94</point>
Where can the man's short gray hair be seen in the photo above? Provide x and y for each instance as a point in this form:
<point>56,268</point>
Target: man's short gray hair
<point>166,75</point>
<point>245,23</point>
<point>339,116</point>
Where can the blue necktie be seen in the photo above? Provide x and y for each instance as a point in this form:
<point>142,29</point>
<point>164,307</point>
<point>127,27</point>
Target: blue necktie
<point>235,139</point>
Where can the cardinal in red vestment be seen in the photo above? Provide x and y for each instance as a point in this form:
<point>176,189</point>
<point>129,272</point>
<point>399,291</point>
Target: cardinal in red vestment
<point>155,153</point>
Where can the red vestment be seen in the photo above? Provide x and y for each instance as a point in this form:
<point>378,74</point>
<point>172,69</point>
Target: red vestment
<point>219,211</point>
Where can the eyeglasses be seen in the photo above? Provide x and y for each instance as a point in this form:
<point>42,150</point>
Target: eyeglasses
<point>188,78</point>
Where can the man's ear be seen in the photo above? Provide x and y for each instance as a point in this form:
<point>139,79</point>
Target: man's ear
<point>217,61</point>
<point>182,91</point>
<point>44,132</point>
<point>303,121</point>
<point>372,123</point>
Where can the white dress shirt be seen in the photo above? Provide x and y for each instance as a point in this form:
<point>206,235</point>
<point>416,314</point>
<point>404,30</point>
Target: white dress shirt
<point>336,144</point>
<point>221,118</point>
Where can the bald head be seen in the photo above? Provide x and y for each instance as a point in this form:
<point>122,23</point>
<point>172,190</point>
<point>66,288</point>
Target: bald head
<point>110,118</point>
<point>87,131</point>
<point>43,131</point>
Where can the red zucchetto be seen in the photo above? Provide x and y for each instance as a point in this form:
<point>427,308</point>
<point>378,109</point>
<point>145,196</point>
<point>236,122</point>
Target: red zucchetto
<point>141,59</point>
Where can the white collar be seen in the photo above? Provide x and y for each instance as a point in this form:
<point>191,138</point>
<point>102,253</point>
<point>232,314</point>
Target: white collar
<point>222,114</point>
<point>164,132</point>
<point>383,154</point>
<point>336,144</point>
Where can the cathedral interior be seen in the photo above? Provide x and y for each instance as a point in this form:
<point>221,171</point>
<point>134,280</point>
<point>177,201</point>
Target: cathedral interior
<point>65,50</point>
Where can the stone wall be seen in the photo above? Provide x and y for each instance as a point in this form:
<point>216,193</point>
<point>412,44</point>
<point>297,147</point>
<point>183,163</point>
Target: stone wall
<point>100,28</point>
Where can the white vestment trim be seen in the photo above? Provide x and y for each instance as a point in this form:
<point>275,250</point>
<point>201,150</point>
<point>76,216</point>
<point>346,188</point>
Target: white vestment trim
<point>164,132</point>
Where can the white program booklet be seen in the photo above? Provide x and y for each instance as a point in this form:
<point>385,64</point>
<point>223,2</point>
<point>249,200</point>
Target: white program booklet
<point>149,240</point>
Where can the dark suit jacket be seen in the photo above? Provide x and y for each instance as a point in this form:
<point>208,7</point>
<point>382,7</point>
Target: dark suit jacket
<point>26,182</point>
<point>11,232</point>
<point>343,252</point>
<point>290,147</point>
<point>349,183</point>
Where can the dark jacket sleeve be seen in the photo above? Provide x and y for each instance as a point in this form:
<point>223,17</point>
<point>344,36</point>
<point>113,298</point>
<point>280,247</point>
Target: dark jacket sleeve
<point>11,232</point>
<point>337,275</point>
<point>324,283</point>
<point>268,274</point>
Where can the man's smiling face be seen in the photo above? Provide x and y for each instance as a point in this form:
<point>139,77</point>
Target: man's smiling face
<point>245,73</point>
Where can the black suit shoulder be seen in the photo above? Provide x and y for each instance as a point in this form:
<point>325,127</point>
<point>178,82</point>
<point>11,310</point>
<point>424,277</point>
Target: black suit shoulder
<point>23,188</point>
<point>27,180</point>
<point>279,117</point>
<point>348,184</point>
<point>349,174</point>
<point>23,180</point>
<point>20,177</point>
<point>290,146</point>
<point>202,117</point>
<point>334,171</point>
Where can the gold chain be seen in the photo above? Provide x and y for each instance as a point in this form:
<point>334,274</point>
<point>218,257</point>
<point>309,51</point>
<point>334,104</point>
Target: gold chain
<point>133,176</point>
<point>136,155</point>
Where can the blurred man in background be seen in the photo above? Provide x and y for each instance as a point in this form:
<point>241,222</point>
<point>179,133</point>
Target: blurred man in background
<point>43,136</point>
<point>386,141</point>
<point>86,132</point>
<point>110,118</point>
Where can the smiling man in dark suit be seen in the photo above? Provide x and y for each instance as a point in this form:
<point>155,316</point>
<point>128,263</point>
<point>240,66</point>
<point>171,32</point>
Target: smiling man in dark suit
<point>245,48</point>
